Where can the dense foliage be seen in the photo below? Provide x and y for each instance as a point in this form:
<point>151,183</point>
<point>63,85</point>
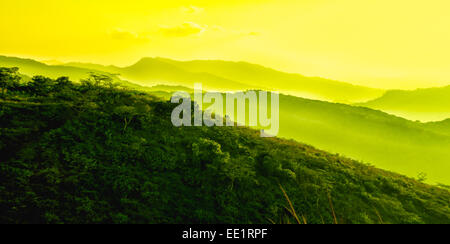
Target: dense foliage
<point>384,140</point>
<point>95,153</point>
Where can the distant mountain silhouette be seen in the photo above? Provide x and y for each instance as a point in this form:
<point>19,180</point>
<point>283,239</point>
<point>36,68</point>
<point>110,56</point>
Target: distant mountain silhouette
<point>372,136</point>
<point>29,68</point>
<point>225,75</point>
<point>212,74</point>
<point>442,127</point>
<point>431,104</point>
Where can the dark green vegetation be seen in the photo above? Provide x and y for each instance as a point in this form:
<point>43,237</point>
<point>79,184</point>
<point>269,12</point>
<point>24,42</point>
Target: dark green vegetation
<point>93,153</point>
<point>368,135</point>
<point>432,104</point>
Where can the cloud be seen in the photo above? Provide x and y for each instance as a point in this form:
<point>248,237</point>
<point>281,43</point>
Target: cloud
<point>192,10</point>
<point>193,29</point>
<point>183,30</point>
<point>237,33</point>
<point>123,35</point>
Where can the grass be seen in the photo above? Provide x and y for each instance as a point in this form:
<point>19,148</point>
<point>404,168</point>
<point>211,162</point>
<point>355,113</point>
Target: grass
<point>293,213</point>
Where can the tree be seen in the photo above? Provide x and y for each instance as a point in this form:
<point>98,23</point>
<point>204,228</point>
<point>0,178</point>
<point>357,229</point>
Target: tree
<point>9,78</point>
<point>40,85</point>
<point>98,80</point>
<point>422,177</point>
<point>127,113</point>
<point>62,82</point>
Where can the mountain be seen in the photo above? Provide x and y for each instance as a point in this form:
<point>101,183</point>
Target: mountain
<point>157,72</point>
<point>151,72</point>
<point>30,68</point>
<point>225,75</point>
<point>431,104</point>
<point>387,141</point>
<point>442,127</point>
<point>364,134</point>
<point>92,154</point>
<point>287,83</point>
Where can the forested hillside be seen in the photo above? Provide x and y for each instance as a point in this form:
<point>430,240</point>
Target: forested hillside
<point>408,147</point>
<point>96,153</point>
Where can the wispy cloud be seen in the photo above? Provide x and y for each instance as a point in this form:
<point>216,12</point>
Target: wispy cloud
<point>124,35</point>
<point>238,33</point>
<point>183,30</point>
<point>192,10</point>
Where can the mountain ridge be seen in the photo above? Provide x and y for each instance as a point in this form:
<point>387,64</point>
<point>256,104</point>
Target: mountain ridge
<point>246,75</point>
<point>424,104</point>
<point>358,133</point>
<point>373,136</point>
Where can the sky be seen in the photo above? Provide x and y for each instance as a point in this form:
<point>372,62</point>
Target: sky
<point>392,44</point>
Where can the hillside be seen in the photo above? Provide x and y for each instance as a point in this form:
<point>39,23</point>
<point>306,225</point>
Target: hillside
<point>368,135</point>
<point>372,136</point>
<point>386,141</point>
<point>224,75</point>
<point>432,104</point>
<point>442,127</point>
<point>94,154</point>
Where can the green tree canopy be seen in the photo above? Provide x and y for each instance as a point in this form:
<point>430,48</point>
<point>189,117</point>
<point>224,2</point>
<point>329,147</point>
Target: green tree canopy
<point>9,78</point>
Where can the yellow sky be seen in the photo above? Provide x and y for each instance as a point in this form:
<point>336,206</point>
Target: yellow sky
<point>378,43</point>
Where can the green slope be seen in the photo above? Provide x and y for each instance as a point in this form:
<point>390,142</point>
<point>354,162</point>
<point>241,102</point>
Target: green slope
<point>386,141</point>
<point>442,127</point>
<point>432,104</point>
<point>372,136</point>
<point>224,75</point>
<point>81,154</point>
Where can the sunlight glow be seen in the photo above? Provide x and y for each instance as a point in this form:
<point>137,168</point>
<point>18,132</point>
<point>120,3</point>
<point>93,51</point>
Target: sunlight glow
<point>382,43</point>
